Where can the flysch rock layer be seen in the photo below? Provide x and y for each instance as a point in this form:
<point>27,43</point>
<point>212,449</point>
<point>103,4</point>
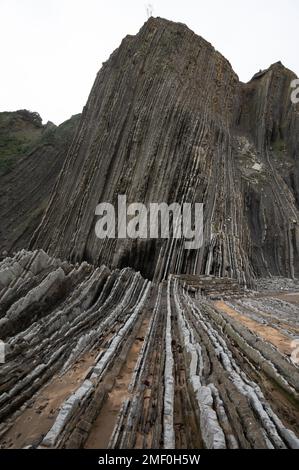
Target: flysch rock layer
<point>97,358</point>
<point>168,120</point>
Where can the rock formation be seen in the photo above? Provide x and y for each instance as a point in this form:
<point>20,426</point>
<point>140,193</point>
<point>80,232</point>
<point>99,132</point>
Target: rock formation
<point>98,358</point>
<point>143,344</point>
<point>168,120</point>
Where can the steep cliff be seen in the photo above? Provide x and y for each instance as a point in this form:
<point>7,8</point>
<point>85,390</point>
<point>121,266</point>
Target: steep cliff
<point>168,120</point>
<point>271,123</point>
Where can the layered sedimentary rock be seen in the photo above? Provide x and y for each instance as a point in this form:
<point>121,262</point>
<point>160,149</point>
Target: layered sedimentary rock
<point>32,156</point>
<point>168,120</point>
<point>269,164</point>
<point>96,354</point>
<point>98,358</point>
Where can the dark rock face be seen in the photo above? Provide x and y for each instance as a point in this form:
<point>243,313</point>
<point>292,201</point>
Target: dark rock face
<point>271,122</point>
<point>28,180</point>
<point>168,120</point>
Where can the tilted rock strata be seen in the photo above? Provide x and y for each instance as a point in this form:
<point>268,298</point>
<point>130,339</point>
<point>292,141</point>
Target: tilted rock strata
<point>199,377</point>
<point>269,164</point>
<point>167,120</point>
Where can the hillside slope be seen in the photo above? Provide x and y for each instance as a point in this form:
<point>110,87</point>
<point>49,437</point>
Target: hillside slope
<point>32,157</point>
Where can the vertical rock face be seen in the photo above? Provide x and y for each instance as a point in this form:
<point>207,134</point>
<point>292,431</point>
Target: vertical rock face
<point>271,123</point>
<point>168,121</point>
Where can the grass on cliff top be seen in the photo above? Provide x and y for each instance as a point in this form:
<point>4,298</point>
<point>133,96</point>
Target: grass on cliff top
<point>19,131</point>
<point>22,131</point>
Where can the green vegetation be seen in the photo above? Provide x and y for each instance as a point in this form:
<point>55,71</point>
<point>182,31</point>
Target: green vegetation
<point>22,131</point>
<point>19,133</point>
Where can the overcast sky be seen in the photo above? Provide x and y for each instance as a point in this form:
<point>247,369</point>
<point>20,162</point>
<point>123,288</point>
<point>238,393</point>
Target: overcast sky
<point>51,49</point>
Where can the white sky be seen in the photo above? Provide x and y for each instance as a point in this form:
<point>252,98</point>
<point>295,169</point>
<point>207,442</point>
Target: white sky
<point>51,50</point>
